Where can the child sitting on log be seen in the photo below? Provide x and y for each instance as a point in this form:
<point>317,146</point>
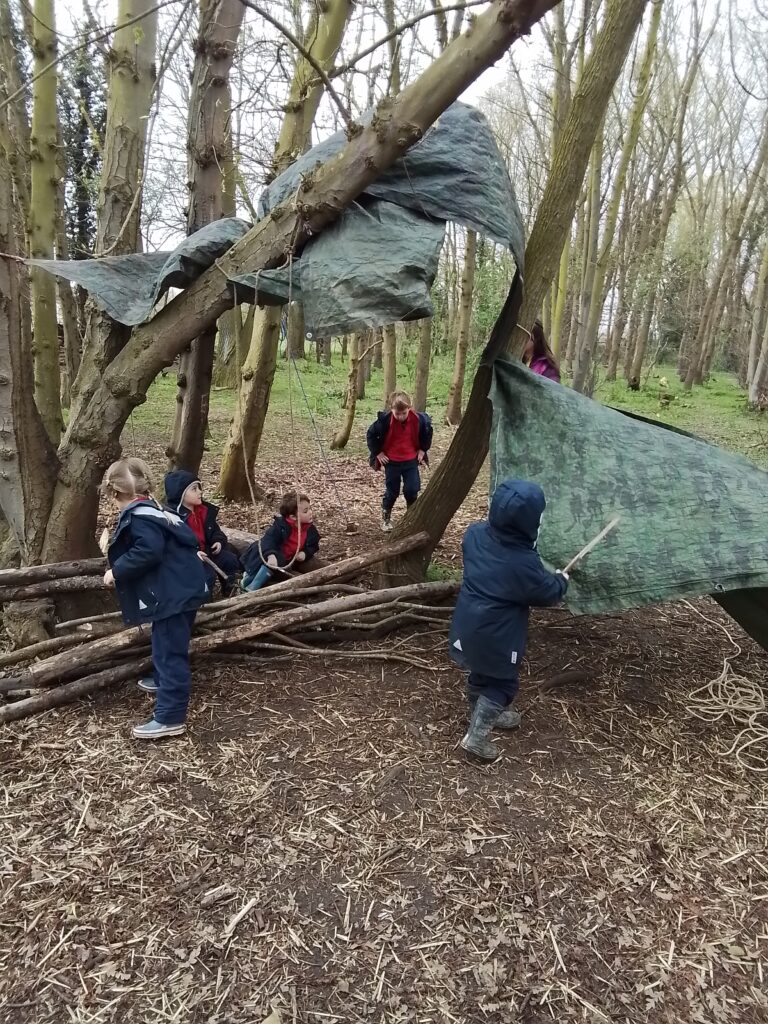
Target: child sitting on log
<point>159,578</point>
<point>292,541</point>
<point>503,577</point>
<point>398,440</point>
<point>184,496</point>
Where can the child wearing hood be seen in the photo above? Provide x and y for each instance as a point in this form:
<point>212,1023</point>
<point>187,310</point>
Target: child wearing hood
<point>503,577</point>
<point>184,497</point>
<point>159,579</point>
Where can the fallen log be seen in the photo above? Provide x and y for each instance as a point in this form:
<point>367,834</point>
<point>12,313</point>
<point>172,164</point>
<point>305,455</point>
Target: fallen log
<point>52,571</point>
<point>51,669</point>
<point>69,692</point>
<point>50,588</point>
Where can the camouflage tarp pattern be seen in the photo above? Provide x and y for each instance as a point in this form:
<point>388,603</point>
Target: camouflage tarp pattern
<point>694,518</point>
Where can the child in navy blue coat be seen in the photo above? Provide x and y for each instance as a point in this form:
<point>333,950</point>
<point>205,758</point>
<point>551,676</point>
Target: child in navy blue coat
<point>184,495</point>
<point>503,577</point>
<point>154,567</point>
<point>292,540</point>
<point>398,440</point>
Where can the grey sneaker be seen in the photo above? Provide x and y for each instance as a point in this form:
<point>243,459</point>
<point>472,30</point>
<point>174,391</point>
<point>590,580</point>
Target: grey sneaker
<point>476,742</point>
<point>148,684</point>
<point>386,521</point>
<point>153,730</point>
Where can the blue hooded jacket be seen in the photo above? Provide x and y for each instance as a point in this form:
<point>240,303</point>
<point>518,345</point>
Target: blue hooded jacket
<point>176,484</point>
<point>153,557</point>
<point>503,577</point>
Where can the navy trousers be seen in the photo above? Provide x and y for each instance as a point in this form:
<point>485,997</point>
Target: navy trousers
<point>170,660</point>
<point>499,691</point>
<point>229,563</point>
<point>394,474</point>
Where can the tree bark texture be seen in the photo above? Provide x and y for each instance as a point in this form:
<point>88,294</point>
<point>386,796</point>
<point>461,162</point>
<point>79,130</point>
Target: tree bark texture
<point>423,355</point>
<point>388,349</point>
<point>44,174</point>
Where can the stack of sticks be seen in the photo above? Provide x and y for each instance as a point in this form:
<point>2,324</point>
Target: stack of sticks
<point>298,616</point>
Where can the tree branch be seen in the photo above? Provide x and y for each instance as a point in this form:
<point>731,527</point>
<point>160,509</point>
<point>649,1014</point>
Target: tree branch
<point>306,54</point>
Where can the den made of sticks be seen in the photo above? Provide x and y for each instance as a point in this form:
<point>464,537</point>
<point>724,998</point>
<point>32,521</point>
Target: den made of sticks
<point>383,511</point>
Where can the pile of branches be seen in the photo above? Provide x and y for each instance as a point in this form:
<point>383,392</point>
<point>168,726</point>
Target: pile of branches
<point>298,616</point>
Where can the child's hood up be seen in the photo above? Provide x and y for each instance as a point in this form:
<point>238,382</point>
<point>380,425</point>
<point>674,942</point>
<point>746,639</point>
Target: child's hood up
<point>176,485</point>
<point>516,510</point>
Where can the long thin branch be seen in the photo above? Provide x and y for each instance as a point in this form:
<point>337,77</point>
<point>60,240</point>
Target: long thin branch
<point>343,68</point>
<point>305,53</point>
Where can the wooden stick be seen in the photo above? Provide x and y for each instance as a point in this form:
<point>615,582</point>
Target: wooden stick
<point>322,610</point>
<point>48,588</point>
<point>592,544</point>
<point>53,571</point>
<point>69,692</point>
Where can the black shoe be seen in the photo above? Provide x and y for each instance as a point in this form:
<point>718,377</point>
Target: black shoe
<point>476,742</point>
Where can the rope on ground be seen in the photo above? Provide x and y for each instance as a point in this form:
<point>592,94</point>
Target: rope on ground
<point>738,699</point>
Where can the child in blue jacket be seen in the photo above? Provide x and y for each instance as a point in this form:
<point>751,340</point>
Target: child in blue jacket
<point>184,495</point>
<point>503,577</point>
<point>292,540</point>
<point>155,569</point>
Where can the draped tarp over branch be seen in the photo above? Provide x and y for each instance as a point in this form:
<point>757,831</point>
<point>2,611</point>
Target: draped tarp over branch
<point>374,266</point>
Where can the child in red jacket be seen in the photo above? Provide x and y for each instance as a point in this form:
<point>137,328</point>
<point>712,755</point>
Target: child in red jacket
<point>399,439</point>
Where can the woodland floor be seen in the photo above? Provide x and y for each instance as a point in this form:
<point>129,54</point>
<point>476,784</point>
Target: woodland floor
<point>316,844</point>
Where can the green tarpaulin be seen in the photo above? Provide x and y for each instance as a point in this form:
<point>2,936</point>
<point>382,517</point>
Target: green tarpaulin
<point>694,518</point>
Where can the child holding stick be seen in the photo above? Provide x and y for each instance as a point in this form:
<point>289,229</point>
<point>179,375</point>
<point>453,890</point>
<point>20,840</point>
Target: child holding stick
<point>292,540</point>
<point>503,577</point>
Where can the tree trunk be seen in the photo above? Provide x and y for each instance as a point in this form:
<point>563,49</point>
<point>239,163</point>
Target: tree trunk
<point>759,383</point>
<point>295,347</point>
<point>453,411</point>
<point>569,161</point>
<point>43,202</point>
<point>456,474</point>
<point>452,480</point>
<point>343,434</point>
<point>92,437</point>
<point>591,250</point>
<point>362,342</point>
<point>421,380</point>
<point>388,350</point>
<point>596,299</point>
<point>209,149</point>
<point>324,40</point>
<point>69,317</point>
<point>29,460</point>
<point>759,314</point>
<point>706,334</point>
